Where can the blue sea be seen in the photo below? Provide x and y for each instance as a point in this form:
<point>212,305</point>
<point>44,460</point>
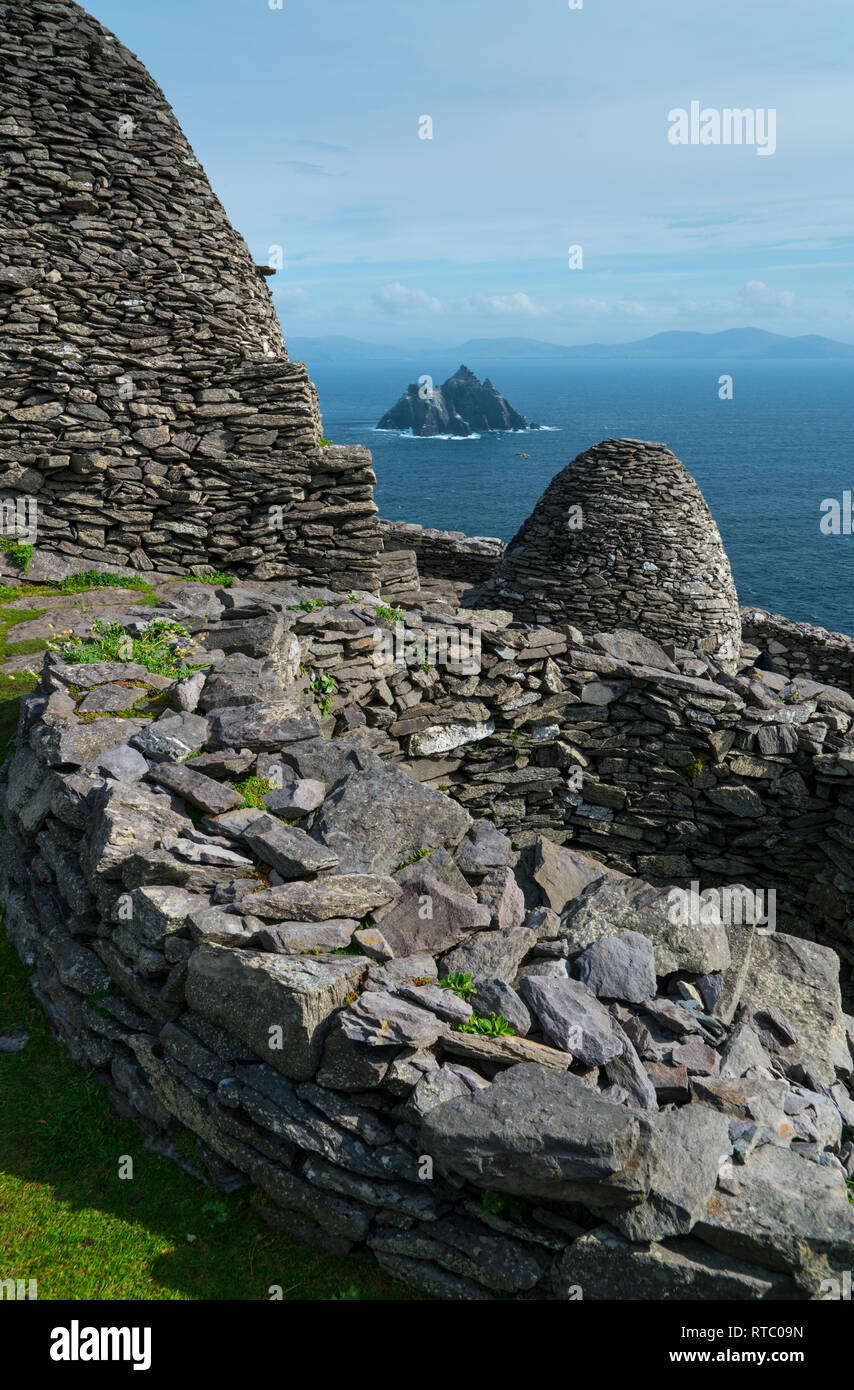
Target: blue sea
<point>765,460</point>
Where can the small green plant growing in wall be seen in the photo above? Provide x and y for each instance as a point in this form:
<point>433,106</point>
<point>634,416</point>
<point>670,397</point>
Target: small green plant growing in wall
<point>519,740</point>
<point>323,442</point>
<point>502,1204</point>
<point>696,768</point>
<point>162,648</point>
<point>413,858</point>
<point>253,790</point>
<point>391,615</point>
<point>487,1025</point>
<point>459,983</point>
<point>19,553</point>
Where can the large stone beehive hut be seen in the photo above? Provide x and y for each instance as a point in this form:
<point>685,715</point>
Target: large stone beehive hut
<point>623,537</point>
<point>147,399</point>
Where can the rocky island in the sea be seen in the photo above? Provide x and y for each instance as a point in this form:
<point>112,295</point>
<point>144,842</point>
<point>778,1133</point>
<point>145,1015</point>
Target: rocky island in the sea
<point>462,405</point>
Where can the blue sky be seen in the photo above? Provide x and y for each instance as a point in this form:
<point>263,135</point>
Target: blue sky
<point>550,129</point>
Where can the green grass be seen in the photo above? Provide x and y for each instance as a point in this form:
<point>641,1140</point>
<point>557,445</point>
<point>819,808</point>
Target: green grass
<point>69,1221</point>
<point>219,578</point>
<point>19,553</point>
<point>97,579</point>
<point>155,649</point>
<point>11,689</point>
<point>253,790</point>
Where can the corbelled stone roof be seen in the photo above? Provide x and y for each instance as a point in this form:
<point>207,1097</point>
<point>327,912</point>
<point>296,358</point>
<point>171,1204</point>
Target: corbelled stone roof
<point>109,222</point>
<point>623,537</point>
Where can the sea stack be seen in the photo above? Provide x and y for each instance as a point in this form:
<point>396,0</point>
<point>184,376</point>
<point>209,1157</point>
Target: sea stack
<point>623,538</point>
<point>462,405</point>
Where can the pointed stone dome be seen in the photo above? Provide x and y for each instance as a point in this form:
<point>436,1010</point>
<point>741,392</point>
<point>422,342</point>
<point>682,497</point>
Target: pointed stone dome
<point>621,538</point>
<point>112,240</point>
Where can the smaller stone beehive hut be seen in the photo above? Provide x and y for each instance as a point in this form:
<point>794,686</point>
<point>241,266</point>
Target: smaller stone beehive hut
<point>623,537</point>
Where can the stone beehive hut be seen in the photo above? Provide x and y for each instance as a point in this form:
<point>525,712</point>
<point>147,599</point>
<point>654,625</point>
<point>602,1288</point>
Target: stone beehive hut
<point>147,399</point>
<point>623,537</point>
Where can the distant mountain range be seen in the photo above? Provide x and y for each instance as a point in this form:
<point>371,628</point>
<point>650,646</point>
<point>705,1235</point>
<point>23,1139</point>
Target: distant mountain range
<point>733,343</point>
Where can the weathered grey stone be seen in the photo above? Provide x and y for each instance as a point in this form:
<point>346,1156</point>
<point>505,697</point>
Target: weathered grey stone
<point>350,1066</point>
<point>605,1266</point>
<point>252,994</point>
<point>432,1089</point>
<point>787,1214</point>
<point>442,1002</point>
<point>801,979</point>
<point>619,967</point>
<point>296,798</point>
<point>484,848</point>
<point>562,874</point>
<point>617,906</point>
<point>261,728</point>
<point>760,1099</point>
<point>680,1169</point>
<point>195,787</point>
<point>307,936</point>
<point>429,917</point>
<point>74,744</point>
<point>171,738</point>
<point>540,1133</point>
<point>500,892</point>
<point>467,1250</point>
<point>291,852</point>
<point>122,763</point>
<point>379,1019</point>
<point>495,996</point>
<point>334,895</point>
<point>573,1019</point>
<point>627,1072</point>
<point>378,818</point>
<point>490,954</point>
<point>126,818</point>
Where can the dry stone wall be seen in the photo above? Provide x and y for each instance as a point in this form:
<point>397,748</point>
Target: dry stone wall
<point>147,406</point>
<point>445,554</point>
<point>666,1114</point>
<point>659,765</point>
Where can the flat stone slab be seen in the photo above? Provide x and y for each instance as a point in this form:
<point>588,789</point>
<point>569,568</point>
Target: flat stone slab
<point>335,895</point>
<point>785,1212</point>
<point>540,1133</point>
<point>195,787</point>
<point>287,849</point>
<point>430,917</point>
<point>380,1019</point>
<point>605,1266</point>
<point>379,818</point>
<point>280,1006</point>
<point>261,728</point>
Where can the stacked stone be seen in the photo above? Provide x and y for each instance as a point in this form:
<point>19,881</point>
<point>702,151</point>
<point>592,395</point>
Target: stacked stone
<point>147,402</point>
<point>653,761</point>
<point>800,649</point>
<point>623,530</point>
<point>265,978</point>
<point>445,554</point>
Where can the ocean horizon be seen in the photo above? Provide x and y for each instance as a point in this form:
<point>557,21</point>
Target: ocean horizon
<point>765,460</point>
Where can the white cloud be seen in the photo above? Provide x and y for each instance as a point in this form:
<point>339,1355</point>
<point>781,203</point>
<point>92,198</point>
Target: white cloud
<point>292,299</point>
<point>397,299</point>
<point>757,293</point>
<point>502,305</point>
